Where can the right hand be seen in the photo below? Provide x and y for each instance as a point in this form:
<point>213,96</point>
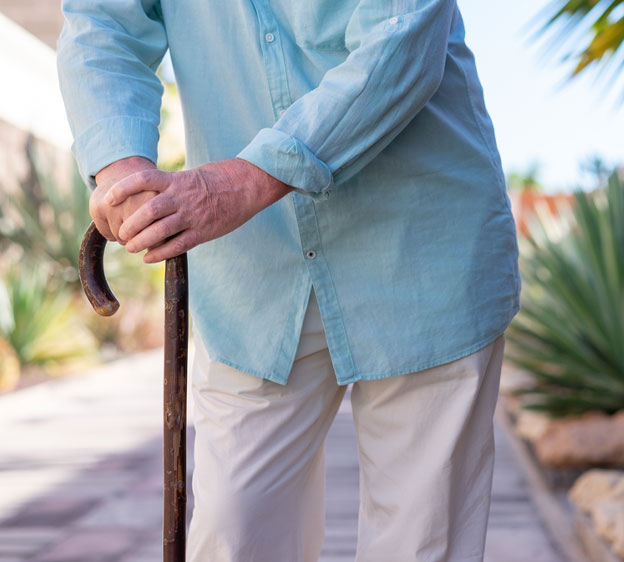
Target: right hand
<point>107,218</point>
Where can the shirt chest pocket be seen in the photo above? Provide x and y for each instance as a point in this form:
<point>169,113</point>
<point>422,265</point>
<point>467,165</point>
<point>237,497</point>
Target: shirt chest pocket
<point>321,24</point>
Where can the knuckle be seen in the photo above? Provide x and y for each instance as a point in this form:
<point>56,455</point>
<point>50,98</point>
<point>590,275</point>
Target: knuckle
<point>163,229</point>
<point>154,208</point>
<point>179,246</point>
<point>143,176</point>
<point>180,180</point>
<point>194,238</point>
<point>167,201</point>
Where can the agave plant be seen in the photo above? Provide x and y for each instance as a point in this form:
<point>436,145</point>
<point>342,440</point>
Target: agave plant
<point>569,334</point>
<point>44,219</point>
<point>40,322</point>
<point>47,222</point>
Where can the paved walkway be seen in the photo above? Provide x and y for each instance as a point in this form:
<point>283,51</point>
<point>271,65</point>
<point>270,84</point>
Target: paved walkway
<point>80,476</point>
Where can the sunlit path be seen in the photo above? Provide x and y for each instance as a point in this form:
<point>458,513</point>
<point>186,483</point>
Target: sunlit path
<point>80,476</point>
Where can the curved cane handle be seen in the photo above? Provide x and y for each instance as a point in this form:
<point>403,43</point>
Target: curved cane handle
<point>91,270</point>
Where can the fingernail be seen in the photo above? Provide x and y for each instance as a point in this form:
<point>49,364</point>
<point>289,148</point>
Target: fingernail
<point>109,199</point>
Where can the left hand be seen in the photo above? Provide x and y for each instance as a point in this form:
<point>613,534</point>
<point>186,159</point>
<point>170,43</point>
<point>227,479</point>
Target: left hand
<point>192,206</point>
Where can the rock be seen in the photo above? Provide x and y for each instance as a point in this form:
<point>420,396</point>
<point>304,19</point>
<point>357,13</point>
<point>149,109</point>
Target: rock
<point>596,485</point>
<point>618,490</point>
<point>600,493</point>
<point>531,425</point>
<point>593,439</point>
<point>608,519</point>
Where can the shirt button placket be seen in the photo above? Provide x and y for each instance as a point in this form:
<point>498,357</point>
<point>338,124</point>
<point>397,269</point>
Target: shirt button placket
<point>273,56</point>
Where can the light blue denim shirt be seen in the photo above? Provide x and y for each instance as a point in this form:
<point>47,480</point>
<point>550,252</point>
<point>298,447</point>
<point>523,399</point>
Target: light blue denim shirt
<point>372,110</point>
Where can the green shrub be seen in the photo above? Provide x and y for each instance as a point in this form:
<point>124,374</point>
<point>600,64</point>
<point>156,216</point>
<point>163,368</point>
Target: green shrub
<point>46,221</point>
<point>45,317</point>
<point>40,322</point>
<point>569,334</point>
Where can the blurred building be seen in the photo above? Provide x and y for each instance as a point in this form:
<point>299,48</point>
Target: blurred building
<point>31,108</point>
<point>42,18</point>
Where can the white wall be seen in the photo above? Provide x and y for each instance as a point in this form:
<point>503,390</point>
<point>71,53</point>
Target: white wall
<point>30,98</point>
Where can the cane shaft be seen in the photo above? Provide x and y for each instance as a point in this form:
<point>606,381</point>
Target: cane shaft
<point>176,345</point>
<point>100,296</point>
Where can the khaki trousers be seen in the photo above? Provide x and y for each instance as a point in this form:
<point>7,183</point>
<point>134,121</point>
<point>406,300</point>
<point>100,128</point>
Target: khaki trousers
<point>426,453</point>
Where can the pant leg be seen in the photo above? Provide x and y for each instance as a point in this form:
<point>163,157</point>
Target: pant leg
<point>426,448</point>
<point>259,459</point>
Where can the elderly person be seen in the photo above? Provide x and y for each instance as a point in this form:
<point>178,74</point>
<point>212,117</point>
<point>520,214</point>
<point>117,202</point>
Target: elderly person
<point>347,222</point>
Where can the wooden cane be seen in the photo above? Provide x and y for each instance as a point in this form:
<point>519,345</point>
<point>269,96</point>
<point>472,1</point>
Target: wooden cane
<point>91,269</point>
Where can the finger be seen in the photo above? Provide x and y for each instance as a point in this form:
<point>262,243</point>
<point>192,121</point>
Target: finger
<point>157,233</point>
<point>114,224</point>
<point>145,180</point>
<point>157,208</point>
<point>103,228</point>
<point>178,245</point>
<point>99,218</point>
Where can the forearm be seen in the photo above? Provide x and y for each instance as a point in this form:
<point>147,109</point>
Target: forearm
<point>397,62</point>
<point>108,53</point>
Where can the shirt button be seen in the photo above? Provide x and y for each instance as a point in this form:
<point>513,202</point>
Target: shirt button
<point>269,37</point>
<point>394,20</point>
<point>311,254</point>
<point>281,112</point>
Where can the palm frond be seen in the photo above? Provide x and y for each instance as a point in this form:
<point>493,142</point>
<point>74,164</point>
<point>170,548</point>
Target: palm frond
<point>586,32</point>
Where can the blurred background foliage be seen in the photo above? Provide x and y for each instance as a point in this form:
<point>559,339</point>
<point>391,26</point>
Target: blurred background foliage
<point>46,325</point>
<point>46,322</point>
<point>569,334</point>
<point>588,33</point>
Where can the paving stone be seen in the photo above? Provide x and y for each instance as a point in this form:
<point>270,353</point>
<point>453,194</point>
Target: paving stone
<point>519,544</point>
<point>25,542</point>
<point>130,512</point>
<point>37,535</point>
<point>50,512</point>
<point>93,545</point>
<point>23,550</point>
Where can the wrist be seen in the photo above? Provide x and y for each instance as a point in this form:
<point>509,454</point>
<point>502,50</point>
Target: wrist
<point>267,188</point>
<point>120,169</point>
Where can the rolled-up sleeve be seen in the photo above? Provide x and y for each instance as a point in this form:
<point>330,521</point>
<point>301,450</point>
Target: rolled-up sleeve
<point>108,53</point>
<point>395,65</point>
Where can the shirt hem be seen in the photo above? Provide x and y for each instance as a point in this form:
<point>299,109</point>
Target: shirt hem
<point>427,365</point>
<point>376,376</point>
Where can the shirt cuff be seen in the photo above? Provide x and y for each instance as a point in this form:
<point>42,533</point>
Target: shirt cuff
<point>112,139</point>
<point>289,160</point>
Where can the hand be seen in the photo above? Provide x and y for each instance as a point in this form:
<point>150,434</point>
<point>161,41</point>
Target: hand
<point>109,219</point>
<point>192,206</point>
